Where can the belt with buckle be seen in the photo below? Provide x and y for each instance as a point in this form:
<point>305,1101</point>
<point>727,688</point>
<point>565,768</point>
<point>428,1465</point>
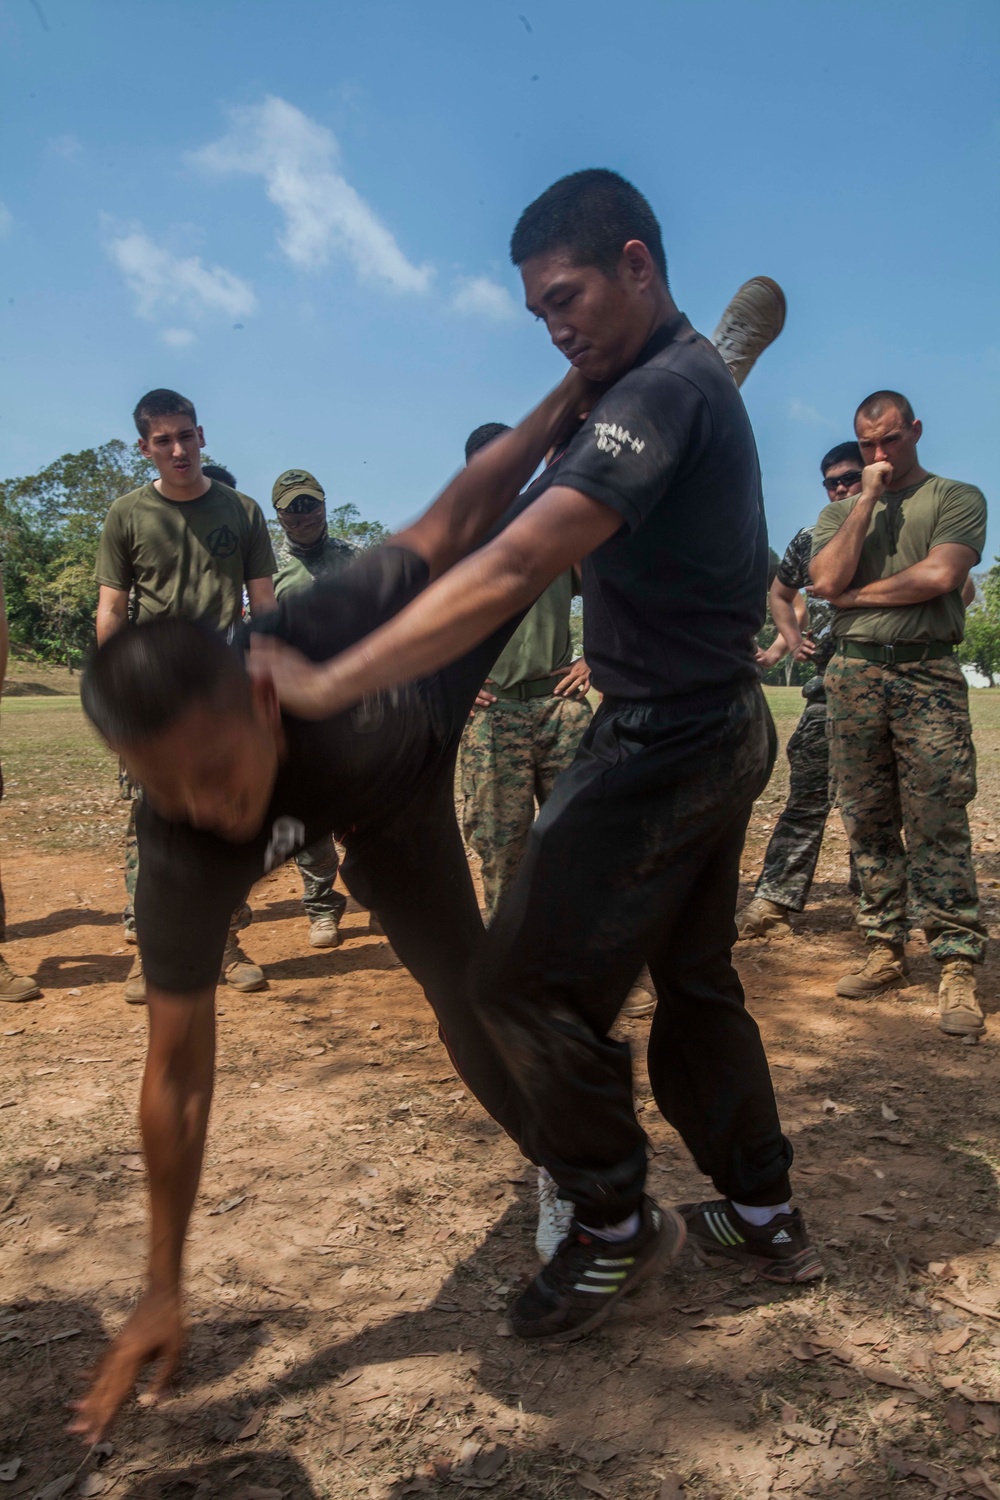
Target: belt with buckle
<point>536,687</point>
<point>889,655</point>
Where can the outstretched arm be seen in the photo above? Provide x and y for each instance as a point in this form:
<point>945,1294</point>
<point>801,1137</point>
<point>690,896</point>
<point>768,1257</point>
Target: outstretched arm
<point>174,1109</point>
<point>451,616</point>
<point>465,510</point>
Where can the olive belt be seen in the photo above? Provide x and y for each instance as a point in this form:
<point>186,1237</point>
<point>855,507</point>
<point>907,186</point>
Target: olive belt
<point>537,687</point>
<point>889,655</point>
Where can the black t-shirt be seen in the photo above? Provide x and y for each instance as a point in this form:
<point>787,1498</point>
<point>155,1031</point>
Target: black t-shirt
<point>672,602</point>
<point>361,768</point>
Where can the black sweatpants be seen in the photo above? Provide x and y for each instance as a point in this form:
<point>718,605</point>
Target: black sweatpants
<point>635,858</point>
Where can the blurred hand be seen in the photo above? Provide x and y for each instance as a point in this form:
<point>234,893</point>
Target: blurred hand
<point>769,658</point>
<point>576,682</point>
<point>805,649</point>
<point>154,1331</point>
<point>299,682</point>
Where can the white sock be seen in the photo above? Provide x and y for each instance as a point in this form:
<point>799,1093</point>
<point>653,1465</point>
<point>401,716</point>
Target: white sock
<point>615,1233</point>
<point>758,1217</point>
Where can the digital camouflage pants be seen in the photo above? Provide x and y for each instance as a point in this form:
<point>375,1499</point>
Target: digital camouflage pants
<point>793,849</point>
<point>902,770</point>
<point>511,754</point>
<point>318,867</point>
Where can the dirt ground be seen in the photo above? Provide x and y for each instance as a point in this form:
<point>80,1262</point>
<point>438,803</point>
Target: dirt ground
<point>362,1224</point>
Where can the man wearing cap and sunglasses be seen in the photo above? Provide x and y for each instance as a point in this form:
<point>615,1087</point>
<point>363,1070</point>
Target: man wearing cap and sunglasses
<point>309,553</point>
<point>793,849</point>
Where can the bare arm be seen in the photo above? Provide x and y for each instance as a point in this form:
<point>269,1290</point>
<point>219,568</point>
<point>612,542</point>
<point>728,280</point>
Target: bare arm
<point>4,636</point>
<point>944,569</point>
<point>112,612</point>
<point>260,592</point>
<point>451,616</point>
<point>833,567</point>
<point>465,510</point>
<point>968,592</point>
<point>174,1109</point>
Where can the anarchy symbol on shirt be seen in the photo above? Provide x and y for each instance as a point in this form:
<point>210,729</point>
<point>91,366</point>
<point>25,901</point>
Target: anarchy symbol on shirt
<point>222,542</point>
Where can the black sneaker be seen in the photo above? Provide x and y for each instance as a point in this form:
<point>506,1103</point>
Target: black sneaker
<point>780,1251</point>
<point>587,1276</point>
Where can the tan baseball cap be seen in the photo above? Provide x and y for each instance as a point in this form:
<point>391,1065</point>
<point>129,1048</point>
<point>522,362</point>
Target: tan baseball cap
<point>295,482</point>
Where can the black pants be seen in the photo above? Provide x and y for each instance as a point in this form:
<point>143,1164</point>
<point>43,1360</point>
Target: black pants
<point>635,857</point>
<point>412,870</point>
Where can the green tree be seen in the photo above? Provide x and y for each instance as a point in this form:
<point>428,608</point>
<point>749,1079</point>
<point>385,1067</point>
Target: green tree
<point>50,523</point>
<point>981,647</point>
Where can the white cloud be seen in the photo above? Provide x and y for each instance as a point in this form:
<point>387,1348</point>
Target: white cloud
<point>6,221</point>
<point>160,280</point>
<point>800,411</point>
<point>178,338</point>
<point>323,214</point>
<point>481,297</point>
<point>67,146</point>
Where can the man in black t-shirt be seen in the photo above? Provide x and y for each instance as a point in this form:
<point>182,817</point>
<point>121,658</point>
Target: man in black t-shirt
<point>635,857</point>
<point>233,788</point>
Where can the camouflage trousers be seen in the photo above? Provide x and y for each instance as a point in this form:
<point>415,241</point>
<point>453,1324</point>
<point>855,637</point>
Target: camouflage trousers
<point>902,770</point>
<point>793,850</point>
<point>511,754</point>
<point>318,866</point>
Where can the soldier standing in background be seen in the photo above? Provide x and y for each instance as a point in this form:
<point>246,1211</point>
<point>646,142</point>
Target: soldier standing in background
<point>793,850</point>
<point>185,544</point>
<point>893,561</point>
<point>309,553</point>
<point>525,727</point>
<point>12,986</point>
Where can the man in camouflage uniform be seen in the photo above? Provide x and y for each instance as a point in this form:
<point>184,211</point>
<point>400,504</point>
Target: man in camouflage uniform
<point>185,544</point>
<point>893,562</point>
<point>309,553</point>
<point>524,729</point>
<point>793,850</point>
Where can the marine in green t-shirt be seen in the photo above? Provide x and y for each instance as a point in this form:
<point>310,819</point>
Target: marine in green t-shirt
<point>525,728</point>
<point>309,554</point>
<point>893,562</point>
<point>185,544</point>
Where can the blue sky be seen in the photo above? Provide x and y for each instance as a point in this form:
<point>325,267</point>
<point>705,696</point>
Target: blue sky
<point>298,214</point>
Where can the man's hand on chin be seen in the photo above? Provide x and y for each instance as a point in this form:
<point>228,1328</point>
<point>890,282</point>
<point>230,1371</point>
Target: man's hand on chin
<point>155,1331</point>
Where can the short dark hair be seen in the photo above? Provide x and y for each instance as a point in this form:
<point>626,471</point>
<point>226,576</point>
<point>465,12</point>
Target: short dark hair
<point>480,436</point>
<point>841,453</point>
<point>873,406</point>
<point>216,471</point>
<point>146,676</point>
<point>161,403</point>
<point>592,215</point>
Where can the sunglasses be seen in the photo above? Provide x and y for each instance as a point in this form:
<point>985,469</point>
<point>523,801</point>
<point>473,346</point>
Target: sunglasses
<point>851,477</point>
<point>303,505</point>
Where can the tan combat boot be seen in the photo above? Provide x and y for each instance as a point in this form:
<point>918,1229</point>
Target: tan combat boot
<point>961,1013</point>
<point>324,932</point>
<point>238,971</point>
<point>641,998</point>
<point>884,967</point>
<point>16,987</point>
<point>135,984</point>
<point>763,916</point>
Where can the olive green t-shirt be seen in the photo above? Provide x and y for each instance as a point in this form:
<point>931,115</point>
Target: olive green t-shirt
<point>189,557</point>
<point>541,644</point>
<point>298,572</point>
<point>904,527</point>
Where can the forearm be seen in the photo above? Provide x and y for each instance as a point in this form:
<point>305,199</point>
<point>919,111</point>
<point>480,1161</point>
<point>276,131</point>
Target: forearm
<point>475,597</point>
<point>477,497</point>
<point>915,585</point>
<point>174,1111</point>
<point>832,569</point>
<point>786,623</point>
<point>109,619</point>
